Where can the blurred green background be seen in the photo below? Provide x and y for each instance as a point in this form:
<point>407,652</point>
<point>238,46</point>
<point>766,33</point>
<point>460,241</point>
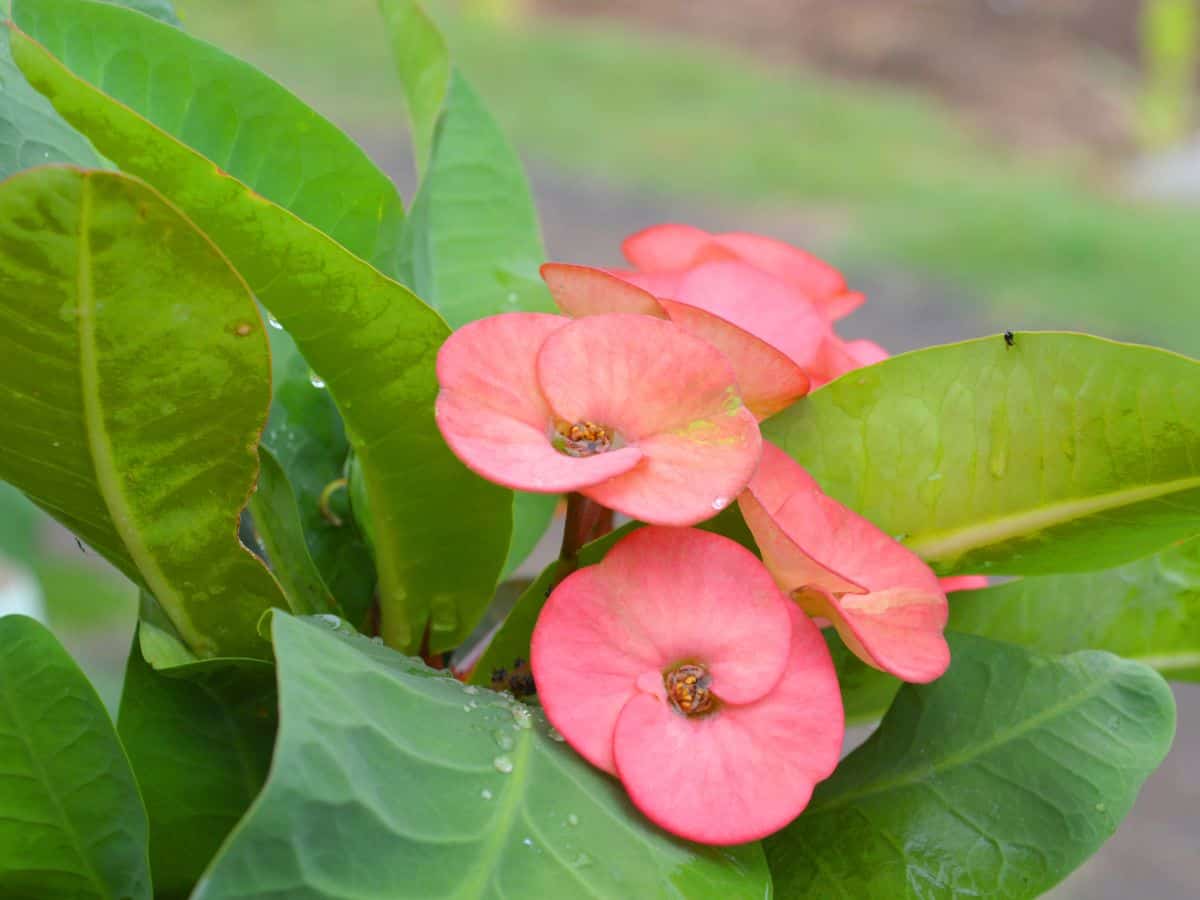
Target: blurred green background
<point>974,165</point>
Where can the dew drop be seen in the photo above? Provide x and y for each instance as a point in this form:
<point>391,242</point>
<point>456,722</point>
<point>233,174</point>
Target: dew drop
<point>504,741</point>
<point>274,323</point>
<point>528,842</point>
<point>572,820</point>
<point>470,689</point>
<point>315,380</point>
<point>503,764</point>
<point>377,640</point>
<point>521,715</point>
<point>466,707</point>
<point>581,860</point>
<point>1100,807</point>
<point>485,794</point>
<point>329,619</point>
<point>720,503</point>
<point>555,735</point>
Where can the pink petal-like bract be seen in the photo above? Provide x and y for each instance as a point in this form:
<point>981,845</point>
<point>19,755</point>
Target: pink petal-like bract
<point>669,394</point>
<point>745,771</point>
<point>963,583</point>
<point>493,415</point>
<point>673,247</point>
<point>678,443</point>
<point>661,596</point>
<point>884,601</point>
<point>767,379</point>
<point>611,634</point>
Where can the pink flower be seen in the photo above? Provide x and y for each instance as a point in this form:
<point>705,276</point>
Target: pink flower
<point>768,379</point>
<point>677,665</point>
<point>963,583</point>
<point>631,411</point>
<point>669,249</point>
<point>884,601</point>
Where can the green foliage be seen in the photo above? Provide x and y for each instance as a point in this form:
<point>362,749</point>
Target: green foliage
<point>279,528</point>
<point>134,453</point>
<point>72,826</point>
<point>306,436</point>
<point>440,790</point>
<point>1062,453</point>
<point>996,780</point>
<point>199,738</point>
<point>369,339</point>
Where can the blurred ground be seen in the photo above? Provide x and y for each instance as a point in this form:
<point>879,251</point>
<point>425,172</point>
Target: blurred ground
<point>1043,76</point>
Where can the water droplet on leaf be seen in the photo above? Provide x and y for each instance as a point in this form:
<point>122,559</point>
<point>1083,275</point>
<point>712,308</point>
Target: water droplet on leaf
<point>485,794</point>
<point>329,619</point>
<point>315,380</point>
<point>503,765</point>
<point>274,323</point>
<point>572,820</point>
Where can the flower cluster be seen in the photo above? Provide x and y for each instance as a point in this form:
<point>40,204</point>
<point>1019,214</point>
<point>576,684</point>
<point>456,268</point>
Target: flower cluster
<point>682,664</point>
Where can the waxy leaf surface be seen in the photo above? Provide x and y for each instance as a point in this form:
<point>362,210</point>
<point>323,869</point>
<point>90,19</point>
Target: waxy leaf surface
<point>134,383</point>
<point>441,790</point>
<point>996,780</point>
<point>72,826</point>
<point>371,341</point>
<point>199,738</point>
<point>1061,453</point>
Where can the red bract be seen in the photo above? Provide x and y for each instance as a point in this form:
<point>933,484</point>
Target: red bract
<point>628,410</point>
<point>767,378</point>
<point>677,665</point>
<point>884,601</point>
<point>667,250</point>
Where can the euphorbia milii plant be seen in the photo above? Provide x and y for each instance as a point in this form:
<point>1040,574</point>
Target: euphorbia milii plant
<point>320,427</point>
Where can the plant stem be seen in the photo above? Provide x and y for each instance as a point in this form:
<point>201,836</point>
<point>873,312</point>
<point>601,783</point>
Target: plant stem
<point>586,521</point>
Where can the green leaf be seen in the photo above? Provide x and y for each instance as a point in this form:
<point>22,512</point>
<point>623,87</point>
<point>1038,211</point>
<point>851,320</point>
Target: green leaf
<point>277,522</point>
<point>306,436</point>
<point>996,780</point>
<point>1062,453</point>
<point>532,515</point>
<point>472,246</point>
<point>250,126</point>
<point>31,132</point>
<point>1148,611</point>
<point>441,791</point>
<point>423,64</point>
<point>135,383</point>
<point>18,524</point>
<point>200,741</point>
<point>72,826</point>
<point>441,533</point>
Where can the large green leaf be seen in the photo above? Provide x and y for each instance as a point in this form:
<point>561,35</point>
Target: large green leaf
<point>200,740</point>
<point>250,126</point>
<point>441,533</point>
<point>134,382</point>
<point>997,780</point>
<point>72,826</point>
<point>1062,453</point>
<point>393,781</point>
<point>423,64</point>
<point>306,436</point>
<point>31,132</point>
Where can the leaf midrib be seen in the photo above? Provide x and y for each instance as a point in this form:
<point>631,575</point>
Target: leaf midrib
<point>68,824</point>
<point>952,544</point>
<point>99,443</point>
<point>952,761</point>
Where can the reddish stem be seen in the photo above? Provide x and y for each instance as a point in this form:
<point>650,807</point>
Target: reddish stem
<point>586,521</point>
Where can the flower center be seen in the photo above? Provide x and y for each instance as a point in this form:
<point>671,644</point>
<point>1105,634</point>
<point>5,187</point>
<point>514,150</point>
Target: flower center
<point>582,439</point>
<point>688,689</point>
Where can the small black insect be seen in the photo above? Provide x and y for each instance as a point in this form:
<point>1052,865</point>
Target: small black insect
<point>518,680</point>
<point>79,544</point>
<point>1010,340</point>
